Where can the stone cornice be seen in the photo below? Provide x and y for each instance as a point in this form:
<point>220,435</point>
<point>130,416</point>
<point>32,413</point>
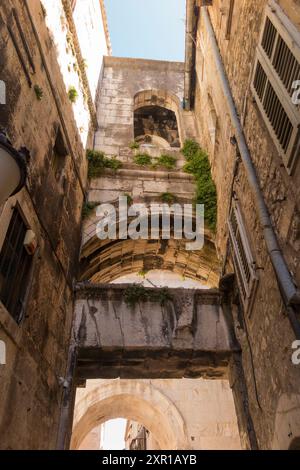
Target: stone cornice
<point>81,64</point>
<point>105,25</point>
<point>163,65</point>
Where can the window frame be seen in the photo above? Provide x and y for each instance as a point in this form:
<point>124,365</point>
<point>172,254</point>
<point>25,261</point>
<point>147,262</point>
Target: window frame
<point>286,30</point>
<point>28,277</point>
<point>247,288</point>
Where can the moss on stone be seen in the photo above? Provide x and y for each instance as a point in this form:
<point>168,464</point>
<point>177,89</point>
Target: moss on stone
<point>166,161</point>
<point>138,293</point>
<point>87,208</point>
<point>168,198</point>
<point>142,159</point>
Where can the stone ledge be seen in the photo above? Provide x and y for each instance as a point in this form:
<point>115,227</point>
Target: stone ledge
<point>124,62</point>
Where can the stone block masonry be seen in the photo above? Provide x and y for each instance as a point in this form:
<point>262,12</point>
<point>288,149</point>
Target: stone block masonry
<point>185,336</point>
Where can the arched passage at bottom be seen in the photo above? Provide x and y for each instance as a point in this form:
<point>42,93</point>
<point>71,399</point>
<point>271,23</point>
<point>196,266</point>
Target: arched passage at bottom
<point>133,400</point>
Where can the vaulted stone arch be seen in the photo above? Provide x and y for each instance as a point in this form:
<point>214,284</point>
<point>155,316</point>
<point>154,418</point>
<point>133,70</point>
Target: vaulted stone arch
<point>133,400</point>
<point>103,261</point>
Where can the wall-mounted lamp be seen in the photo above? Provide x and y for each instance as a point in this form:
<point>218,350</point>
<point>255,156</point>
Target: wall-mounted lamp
<point>13,170</point>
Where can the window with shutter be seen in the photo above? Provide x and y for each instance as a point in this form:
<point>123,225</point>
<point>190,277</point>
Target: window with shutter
<point>15,265</point>
<point>277,68</point>
<point>244,263</point>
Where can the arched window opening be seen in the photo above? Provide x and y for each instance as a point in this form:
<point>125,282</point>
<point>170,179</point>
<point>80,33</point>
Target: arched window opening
<point>156,121</point>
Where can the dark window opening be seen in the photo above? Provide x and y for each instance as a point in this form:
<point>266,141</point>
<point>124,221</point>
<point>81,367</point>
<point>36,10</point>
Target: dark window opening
<point>156,121</point>
<point>15,263</point>
<point>59,155</point>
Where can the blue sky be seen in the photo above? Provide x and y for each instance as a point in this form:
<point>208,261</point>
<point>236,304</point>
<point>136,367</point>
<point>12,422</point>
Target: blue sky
<point>150,29</point>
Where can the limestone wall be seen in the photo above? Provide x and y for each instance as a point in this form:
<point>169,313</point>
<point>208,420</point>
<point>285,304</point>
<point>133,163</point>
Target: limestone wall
<point>122,80</point>
<point>128,84</point>
<point>184,335</point>
<point>267,337</point>
<point>37,349</point>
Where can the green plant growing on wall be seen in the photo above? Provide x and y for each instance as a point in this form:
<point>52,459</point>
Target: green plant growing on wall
<point>198,165</point>
<point>190,148</point>
<point>88,208</point>
<point>138,293</point>
<point>142,273</point>
<point>73,94</point>
<point>134,294</point>
<point>166,161</point>
<point>98,162</point>
<point>39,93</point>
<point>168,198</point>
<point>112,163</point>
<point>129,199</point>
<point>142,159</point>
<point>134,145</point>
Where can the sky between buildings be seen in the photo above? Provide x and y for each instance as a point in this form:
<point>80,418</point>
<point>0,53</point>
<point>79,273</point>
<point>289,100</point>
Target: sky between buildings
<point>149,29</point>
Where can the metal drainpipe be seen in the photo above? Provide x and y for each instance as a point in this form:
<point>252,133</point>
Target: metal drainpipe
<point>190,4</point>
<point>289,291</point>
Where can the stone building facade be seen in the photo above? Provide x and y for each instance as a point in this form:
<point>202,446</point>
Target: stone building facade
<point>235,97</point>
<point>41,59</point>
<point>267,322</point>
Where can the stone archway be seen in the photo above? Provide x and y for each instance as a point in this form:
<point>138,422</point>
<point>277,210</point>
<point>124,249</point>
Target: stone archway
<point>155,98</point>
<point>106,262</point>
<point>133,400</point>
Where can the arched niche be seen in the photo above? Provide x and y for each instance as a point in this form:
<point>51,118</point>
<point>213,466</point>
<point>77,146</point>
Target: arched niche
<point>158,112</point>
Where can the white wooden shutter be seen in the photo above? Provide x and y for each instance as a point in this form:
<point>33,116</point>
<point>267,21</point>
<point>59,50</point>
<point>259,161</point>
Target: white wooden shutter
<point>244,263</point>
<point>277,67</point>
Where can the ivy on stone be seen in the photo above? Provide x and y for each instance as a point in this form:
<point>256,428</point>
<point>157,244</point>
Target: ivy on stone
<point>138,293</point>
<point>198,165</point>
<point>98,162</point>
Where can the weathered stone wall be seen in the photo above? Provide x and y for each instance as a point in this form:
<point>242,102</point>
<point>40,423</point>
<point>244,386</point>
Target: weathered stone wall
<point>122,80</point>
<point>93,38</point>
<point>128,85</point>
<point>266,336</point>
<point>180,414</point>
<point>178,333</point>
<point>37,349</point>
